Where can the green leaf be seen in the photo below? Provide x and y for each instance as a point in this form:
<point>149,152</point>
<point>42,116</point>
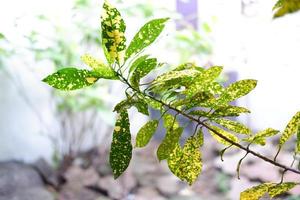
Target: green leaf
<point>113,29</point>
<point>186,162</point>
<point>291,128</point>
<point>137,62</point>
<point>124,105</point>
<point>283,7</point>
<point>71,79</point>
<point>260,137</point>
<point>188,66</point>
<point>255,193</point>
<point>237,90</point>
<point>171,139</point>
<point>226,134</point>
<point>204,82</point>
<point>142,106</point>
<point>142,70</point>
<point>146,36</point>
<point>200,99</point>
<point>200,113</point>
<point>121,147</point>
<point>169,143</point>
<point>281,188</point>
<point>229,111</point>
<point>273,189</point>
<point>145,133</point>
<point>99,67</point>
<point>234,126</point>
<point>173,80</point>
<point>297,150</point>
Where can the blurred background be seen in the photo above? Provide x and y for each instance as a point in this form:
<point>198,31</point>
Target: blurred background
<point>53,145</point>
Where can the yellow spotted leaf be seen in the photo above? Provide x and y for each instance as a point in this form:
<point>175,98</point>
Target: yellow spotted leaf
<point>186,162</point>
<point>113,29</point>
<point>291,128</point>
<point>99,67</point>
<point>224,133</point>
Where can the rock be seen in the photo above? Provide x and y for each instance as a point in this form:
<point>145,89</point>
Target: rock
<point>16,176</point>
<point>71,193</point>
<point>47,172</point>
<point>75,175</point>
<point>37,193</point>
<point>168,185</point>
<point>148,193</point>
<point>19,181</point>
<point>113,187</point>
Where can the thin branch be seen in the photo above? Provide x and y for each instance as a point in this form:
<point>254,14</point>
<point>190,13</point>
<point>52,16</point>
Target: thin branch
<point>247,150</point>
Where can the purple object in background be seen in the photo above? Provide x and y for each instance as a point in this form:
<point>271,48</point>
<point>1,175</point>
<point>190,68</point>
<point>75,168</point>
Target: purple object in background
<point>189,11</point>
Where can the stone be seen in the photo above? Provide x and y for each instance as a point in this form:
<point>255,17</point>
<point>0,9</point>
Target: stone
<point>113,187</point>
<point>34,193</point>
<point>168,185</point>
<point>16,176</point>
<point>47,172</point>
<point>148,193</point>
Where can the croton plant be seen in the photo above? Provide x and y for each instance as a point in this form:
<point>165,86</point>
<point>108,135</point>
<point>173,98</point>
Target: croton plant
<point>186,90</point>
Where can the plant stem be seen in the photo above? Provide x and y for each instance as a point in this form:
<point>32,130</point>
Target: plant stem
<point>233,143</point>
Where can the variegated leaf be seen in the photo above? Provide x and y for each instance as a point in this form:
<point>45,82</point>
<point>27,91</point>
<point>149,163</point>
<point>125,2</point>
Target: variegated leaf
<point>260,137</point>
<point>272,189</point>
<point>71,79</point>
<point>234,126</point>
<point>142,69</point>
<point>291,128</point>
<point>229,111</point>
<point>145,133</point>
<point>169,143</point>
<point>237,90</point>
<point>186,162</point>
<point>297,150</point>
<point>121,147</point>
<point>146,36</point>
<point>99,67</point>
<point>137,62</point>
<point>255,193</point>
<point>188,66</point>
<point>113,29</point>
<point>224,133</point>
<point>204,81</point>
<point>173,80</point>
<point>283,7</point>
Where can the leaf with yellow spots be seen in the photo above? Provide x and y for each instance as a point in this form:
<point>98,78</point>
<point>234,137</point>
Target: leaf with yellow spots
<point>229,111</point>
<point>171,139</point>
<point>146,36</point>
<point>272,189</point>
<point>297,149</point>
<point>186,162</point>
<point>142,69</point>
<point>234,126</point>
<point>260,137</point>
<point>204,82</point>
<point>283,7</point>
<point>121,147</point>
<point>237,90</point>
<point>113,30</point>
<point>145,133</point>
<point>173,79</point>
<point>291,128</point>
<point>169,143</point>
<point>99,67</point>
<point>71,79</point>
<point>226,134</point>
